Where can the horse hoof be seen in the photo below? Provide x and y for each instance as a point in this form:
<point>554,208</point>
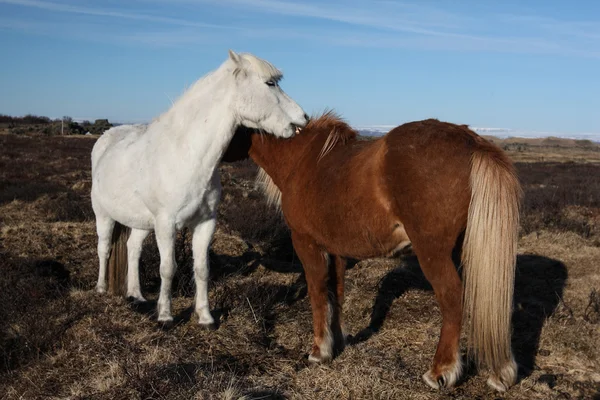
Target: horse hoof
<point>446,379</point>
<point>205,318</point>
<point>100,289</point>
<point>431,381</point>
<point>437,383</point>
<point>316,356</point>
<point>165,321</point>
<point>497,384</point>
<point>166,325</point>
<point>505,378</point>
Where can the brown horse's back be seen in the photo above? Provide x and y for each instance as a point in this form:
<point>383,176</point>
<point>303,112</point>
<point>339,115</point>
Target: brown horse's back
<point>363,197</point>
<point>427,169</point>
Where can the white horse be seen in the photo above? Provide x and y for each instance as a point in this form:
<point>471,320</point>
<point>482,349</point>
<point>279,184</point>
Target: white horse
<point>163,176</point>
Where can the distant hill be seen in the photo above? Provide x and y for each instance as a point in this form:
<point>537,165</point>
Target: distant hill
<point>549,141</point>
<point>543,142</point>
<point>372,132</point>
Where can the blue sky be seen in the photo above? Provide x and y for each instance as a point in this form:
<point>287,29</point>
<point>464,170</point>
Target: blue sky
<point>524,65</point>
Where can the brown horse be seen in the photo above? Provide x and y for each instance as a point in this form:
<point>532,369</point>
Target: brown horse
<point>431,184</point>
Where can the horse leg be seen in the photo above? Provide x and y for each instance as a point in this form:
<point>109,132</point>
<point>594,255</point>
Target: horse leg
<point>316,269</point>
<point>134,249</point>
<point>202,236</point>
<point>104,229</point>
<point>440,271</point>
<point>165,239</point>
<point>337,277</point>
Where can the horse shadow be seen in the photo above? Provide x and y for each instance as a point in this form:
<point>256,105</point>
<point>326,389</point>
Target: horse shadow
<point>220,265</point>
<point>54,270</point>
<point>539,286</point>
<point>280,258</point>
<point>30,288</point>
<point>183,285</point>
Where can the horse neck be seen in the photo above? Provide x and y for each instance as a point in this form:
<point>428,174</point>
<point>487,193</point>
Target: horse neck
<point>278,157</point>
<point>200,122</point>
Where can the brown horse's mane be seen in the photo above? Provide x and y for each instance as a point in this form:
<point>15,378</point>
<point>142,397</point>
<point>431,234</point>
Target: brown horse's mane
<point>329,123</point>
<point>337,129</point>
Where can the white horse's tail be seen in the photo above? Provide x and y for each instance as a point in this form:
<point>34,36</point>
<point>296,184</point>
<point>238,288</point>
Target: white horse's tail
<point>117,262</point>
<point>489,259</point>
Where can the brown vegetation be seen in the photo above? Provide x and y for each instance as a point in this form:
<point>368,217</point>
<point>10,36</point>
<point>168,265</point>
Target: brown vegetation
<point>36,125</point>
<point>59,339</point>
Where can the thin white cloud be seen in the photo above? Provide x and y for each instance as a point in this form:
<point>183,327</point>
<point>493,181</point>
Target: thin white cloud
<point>67,8</point>
<point>364,14</point>
<point>435,28</point>
<point>173,38</point>
<point>554,27</point>
<point>99,33</point>
<point>17,24</point>
<point>385,40</point>
<point>383,24</point>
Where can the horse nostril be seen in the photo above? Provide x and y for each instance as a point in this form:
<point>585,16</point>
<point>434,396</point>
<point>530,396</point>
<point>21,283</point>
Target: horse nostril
<point>306,117</point>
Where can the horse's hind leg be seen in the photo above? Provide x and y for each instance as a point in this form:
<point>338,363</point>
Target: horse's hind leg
<point>315,263</point>
<point>165,239</point>
<point>202,236</point>
<point>104,229</point>
<point>440,271</point>
<point>134,249</point>
<point>338,279</point>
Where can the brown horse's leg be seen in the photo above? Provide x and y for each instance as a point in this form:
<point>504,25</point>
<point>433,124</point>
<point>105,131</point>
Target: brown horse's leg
<point>441,273</point>
<point>337,276</point>
<point>316,269</point>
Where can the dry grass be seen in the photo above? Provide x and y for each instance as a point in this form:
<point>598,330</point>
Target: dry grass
<point>59,339</point>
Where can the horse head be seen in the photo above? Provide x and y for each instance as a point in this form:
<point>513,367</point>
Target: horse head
<point>257,99</point>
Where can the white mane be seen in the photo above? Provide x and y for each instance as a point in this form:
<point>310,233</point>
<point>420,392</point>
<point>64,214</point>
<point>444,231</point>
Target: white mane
<point>263,68</point>
<point>180,115</point>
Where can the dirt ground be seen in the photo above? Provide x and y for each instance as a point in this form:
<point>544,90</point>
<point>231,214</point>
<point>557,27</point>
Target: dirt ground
<point>60,339</point>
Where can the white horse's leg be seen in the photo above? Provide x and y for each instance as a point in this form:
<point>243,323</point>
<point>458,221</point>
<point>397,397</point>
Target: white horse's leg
<point>165,239</point>
<point>134,249</point>
<point>201,239</point>
<point>104,228</point>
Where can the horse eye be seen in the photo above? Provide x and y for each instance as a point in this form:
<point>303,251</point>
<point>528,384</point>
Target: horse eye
<point>271,83</point>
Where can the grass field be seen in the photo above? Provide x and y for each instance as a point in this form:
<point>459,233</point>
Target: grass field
<point>60,339</point>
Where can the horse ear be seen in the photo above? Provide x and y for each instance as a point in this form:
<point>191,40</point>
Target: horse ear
<point>234,57</point>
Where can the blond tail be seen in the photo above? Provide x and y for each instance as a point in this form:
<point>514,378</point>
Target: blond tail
<point>117,262</point>
<point>489,258</point>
